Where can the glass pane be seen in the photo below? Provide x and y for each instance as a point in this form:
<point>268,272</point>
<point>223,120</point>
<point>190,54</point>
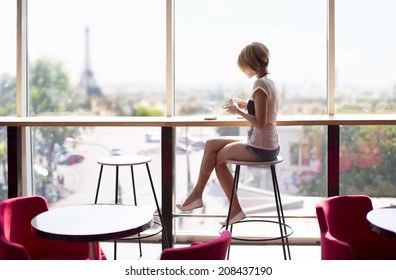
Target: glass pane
<point>365,57</point>
<point>210,34</point>
<point>3,164</point>
<point>8,58</point>
<point>302,179</point>
<point>66,171</point>
<point>7,82</point>
<point>367,162</point>
<point>94,57</point>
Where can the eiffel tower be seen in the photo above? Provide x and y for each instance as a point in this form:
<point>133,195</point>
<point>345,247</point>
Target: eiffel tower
<point>87,85</point>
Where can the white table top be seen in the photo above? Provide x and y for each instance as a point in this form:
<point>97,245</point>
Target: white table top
<point>94,222</point>
<point>383,220</point>
<point>124,160</point>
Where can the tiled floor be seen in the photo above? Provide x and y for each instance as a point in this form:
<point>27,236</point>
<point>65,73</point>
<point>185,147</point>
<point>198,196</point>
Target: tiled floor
<point>130,251</point>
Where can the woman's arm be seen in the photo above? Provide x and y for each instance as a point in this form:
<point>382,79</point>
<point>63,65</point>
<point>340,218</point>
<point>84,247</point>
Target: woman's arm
<point>260,98</point>
<point>260,106</point>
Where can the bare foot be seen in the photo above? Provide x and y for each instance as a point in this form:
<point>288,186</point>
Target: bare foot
<point>191,198</point>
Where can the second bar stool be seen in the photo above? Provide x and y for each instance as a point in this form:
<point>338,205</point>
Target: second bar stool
<point>129,160</point>
<point>284,229</point>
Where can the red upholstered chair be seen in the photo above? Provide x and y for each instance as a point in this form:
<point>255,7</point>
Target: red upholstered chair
<point>345,233</point>
<point>18,242</point>
<point>213,250</point>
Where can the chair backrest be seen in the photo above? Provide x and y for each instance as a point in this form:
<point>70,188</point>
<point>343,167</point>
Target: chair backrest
<point>212,250</point>
<point>15,220</point>
<point>10,250</point>
<point>16,214</point>
<point>344,217</point>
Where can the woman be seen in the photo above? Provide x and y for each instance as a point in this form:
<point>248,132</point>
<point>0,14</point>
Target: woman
<point>263,141</point>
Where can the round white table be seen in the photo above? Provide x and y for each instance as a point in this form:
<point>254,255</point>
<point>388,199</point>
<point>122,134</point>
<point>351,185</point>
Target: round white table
<point>383,220</point>
<point>92,223</point>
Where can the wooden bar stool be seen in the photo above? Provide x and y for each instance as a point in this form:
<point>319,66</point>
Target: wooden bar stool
<point>284,229</point>
<point>130,160</point>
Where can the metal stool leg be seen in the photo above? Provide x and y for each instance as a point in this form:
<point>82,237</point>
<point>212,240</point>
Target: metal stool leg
<point>116,202</point>
<point>281,217</point>
<point>158,208</point>
<point>135,200</point>
<point>234,189</point>
<point>116,187</point>
<point>97,188</point>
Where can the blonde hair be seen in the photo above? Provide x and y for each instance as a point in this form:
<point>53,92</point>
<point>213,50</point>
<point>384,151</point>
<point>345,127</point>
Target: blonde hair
<point>254,56</point>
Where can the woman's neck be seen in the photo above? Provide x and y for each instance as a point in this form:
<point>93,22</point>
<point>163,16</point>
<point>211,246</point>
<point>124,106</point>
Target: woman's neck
<point>262,73</point>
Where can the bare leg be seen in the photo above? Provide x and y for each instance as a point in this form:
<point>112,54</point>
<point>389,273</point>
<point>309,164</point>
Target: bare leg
<point>236,151</point>
<point>212,147</point>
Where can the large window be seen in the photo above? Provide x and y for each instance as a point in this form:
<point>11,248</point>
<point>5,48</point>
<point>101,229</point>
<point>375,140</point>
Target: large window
<point>91,57</point>
<point>97,57</point>
<point>365,56</point>
<point>66,169</point>
<point>7,81</point>
<point>366,84</point>
<point>302,179</point>
<point>208,38</point>
<point>8,58</point>
<point>210,34</point>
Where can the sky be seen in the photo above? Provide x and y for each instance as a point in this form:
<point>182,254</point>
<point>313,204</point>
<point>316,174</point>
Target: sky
<point>127,39</point>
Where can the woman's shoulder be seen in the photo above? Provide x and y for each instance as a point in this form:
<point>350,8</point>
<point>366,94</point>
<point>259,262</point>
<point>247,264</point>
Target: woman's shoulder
<point>265,84</point>
<point>264,81</point>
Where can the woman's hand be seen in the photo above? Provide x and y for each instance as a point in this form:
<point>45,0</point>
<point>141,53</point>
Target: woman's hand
<point>242,104</point>
<point>232,106</point>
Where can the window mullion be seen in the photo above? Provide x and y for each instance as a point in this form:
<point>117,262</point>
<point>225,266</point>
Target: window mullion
<point>170,73</point>
<point>330,57</point>
<point>22,98</point>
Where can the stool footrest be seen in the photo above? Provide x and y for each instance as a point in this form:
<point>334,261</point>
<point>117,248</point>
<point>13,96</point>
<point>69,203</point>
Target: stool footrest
<point>288,229</point>
<point>144,234</point>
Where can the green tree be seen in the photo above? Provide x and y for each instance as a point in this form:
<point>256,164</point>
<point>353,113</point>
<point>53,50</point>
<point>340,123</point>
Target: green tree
<point>8,95</point>
<point>147,112</point>
<point>50,88</point>
<point>50,93</point>
<point>372,150</point>
<point>7,108</point>
<point>366,165</point>
<point>3,159</point>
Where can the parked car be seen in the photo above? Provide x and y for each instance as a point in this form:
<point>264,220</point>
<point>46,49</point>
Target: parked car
<point>70,158</point>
